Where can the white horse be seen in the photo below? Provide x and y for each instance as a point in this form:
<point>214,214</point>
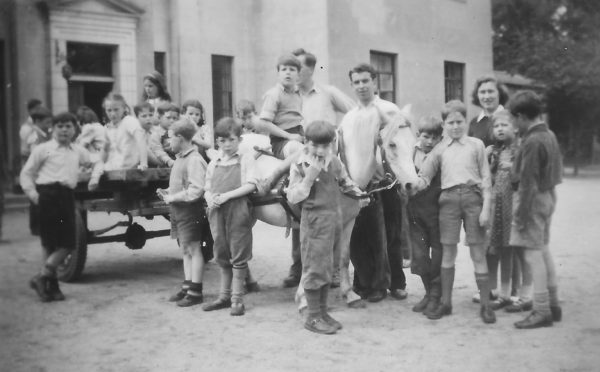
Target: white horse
<point>392,145</point>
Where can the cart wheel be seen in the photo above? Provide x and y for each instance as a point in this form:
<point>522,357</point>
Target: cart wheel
<point>72,267</point>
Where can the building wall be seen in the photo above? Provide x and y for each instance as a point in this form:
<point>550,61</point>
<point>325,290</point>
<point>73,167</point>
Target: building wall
<point>422,33</point>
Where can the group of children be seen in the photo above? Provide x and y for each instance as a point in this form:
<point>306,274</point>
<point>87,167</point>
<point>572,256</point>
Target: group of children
<point>456,188</point>
<point>464,183</point>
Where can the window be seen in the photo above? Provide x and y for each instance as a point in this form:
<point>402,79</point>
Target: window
<point>222,82</point>
<point>160,63</point>
<point>384,64</point>
<point>90,59</point>
<point>454,80</point>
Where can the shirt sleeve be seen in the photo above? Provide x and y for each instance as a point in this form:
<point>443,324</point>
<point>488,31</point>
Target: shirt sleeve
<point>297,191</point>
<point>30,171</point>
<point>528,187</point>
<point>196,170</point>
<point>248,169</point>
<point>270,105</point>
<point>157,149</point>
<point>131,124</point>
<point>208,176</point>
<point>430,167</point>
<point>340,101</point>
<point>484,166</point>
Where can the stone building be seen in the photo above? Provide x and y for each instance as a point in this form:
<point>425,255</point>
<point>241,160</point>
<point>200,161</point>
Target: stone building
<point>220,51</point>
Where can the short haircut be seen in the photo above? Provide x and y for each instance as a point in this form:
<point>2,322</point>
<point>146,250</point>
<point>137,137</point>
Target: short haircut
<point>309,59</point>
<point>526,102</point>
<point>185,128</point>
<point>320,132</point>
<point>137,109</point>
<point>454,106</point>
<point>430,125</point>
<point>165,107</point>
<point>40,113</point>
<point>33,103</point>
<point>246,107</point>
<point>64,117</point>
<point>363,67</point>
<point>86,115</point>
<point>289,60</point>
<point>502,114</point>
<point>502,90</point>
<point>194,103</point>
<point>228,126</point>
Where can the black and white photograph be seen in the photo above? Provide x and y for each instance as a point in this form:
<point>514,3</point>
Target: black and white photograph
<point>299,185</point>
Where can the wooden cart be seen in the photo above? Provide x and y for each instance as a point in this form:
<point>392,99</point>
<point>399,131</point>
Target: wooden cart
<point>130,192</point>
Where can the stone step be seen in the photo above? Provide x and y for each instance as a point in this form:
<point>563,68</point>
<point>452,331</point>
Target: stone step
<point>15,201</point>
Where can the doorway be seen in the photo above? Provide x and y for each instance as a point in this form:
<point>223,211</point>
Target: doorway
<point>88,93</point>
<point>92,79</point>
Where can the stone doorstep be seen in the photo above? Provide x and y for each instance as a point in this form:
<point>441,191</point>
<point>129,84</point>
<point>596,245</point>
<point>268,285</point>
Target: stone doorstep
<point>15,201</point>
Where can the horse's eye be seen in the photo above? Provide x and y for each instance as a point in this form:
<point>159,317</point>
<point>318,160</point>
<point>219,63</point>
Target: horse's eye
<point>392,144</point>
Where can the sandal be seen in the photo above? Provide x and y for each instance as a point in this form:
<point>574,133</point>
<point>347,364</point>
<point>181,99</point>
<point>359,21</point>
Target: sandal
<point>500,303</point>
<point>518,306</point>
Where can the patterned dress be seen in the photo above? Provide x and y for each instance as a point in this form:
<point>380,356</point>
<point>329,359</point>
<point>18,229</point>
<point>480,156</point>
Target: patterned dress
<point>501,157</point>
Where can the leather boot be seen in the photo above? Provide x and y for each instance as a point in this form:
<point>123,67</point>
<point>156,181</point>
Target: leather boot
<point>445,305</point>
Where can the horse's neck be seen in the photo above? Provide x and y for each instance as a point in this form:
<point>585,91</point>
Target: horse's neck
<point>359,147</point>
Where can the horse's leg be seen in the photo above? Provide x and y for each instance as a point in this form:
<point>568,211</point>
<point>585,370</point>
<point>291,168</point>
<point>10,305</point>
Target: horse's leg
<point>350,210</point>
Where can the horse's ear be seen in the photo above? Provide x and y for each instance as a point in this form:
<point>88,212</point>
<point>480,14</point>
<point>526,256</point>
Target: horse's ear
<point>407,111</point>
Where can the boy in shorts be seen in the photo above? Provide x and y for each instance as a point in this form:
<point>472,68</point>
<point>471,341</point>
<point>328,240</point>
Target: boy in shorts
<point>48,179</point>
<point>186,188</point>
<point>281,114</point>
<point>465,199</point>
<point>536,171</point>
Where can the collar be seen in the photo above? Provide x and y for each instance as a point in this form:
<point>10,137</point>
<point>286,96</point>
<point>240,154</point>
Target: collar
<point>448,141</point>
<point>537,127</point>
<point>221,157</point>
<point>316,88</point>
<point>372,103</point>
<point>185,153</point>
<point>483,115</point>
<point>55,145</point>
<point>282,88</point>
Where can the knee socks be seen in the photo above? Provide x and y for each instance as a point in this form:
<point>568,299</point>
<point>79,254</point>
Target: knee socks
<point>447,275</point>
<point>541,302</point>
<point>324,296</point>
<point>313,299</point>
<point>239,281</point>
<point>553,293</point>
<point>226,278</point>
<point>483,284</point>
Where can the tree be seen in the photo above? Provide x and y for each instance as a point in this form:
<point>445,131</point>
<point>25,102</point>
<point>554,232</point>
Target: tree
<point>556,43</point>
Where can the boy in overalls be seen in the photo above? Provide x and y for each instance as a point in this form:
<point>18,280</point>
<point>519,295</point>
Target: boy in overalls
<point>315,180</point>
<point>229,180</point>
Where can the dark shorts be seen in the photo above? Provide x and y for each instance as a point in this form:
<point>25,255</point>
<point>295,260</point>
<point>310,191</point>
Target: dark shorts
<point>278,143</point>
<point>231,227</point>
<point>186,222</point>
<point>57,217</point>
<point>458,205</point>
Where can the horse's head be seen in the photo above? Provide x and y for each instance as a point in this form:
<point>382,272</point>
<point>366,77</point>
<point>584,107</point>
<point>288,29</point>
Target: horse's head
<point>398,143</point>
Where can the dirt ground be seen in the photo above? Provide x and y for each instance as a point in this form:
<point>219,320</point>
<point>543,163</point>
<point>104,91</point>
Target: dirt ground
<point>116,318</point>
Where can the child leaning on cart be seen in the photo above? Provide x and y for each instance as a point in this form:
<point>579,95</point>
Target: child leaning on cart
<point>186,188</point>
<point>48,178</point>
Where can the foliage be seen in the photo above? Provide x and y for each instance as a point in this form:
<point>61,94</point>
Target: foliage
<point>556,43</point>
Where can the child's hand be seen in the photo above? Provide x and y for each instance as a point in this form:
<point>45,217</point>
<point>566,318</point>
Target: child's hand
<point>210,201</point>
<point>363,202</point>
<point>142,167</point>
<point>35,198</point>
<point>484,218</point>
<point>222,199</point>
<point>162,193</point>
<point>93,185</point>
